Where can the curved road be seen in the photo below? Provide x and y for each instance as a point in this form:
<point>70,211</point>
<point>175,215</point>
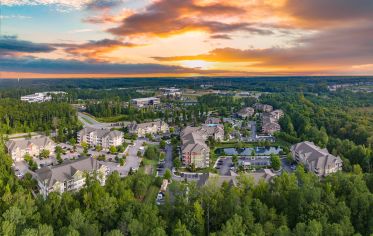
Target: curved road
<point>89,121</point>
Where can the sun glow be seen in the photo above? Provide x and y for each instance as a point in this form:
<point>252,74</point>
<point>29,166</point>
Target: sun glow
<point>197,64</point>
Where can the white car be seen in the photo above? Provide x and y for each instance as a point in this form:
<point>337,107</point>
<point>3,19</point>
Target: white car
<point>160,196</point>
<point>19,174</point>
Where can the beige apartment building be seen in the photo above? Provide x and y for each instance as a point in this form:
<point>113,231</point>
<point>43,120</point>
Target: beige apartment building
<point>270,120</point>
<point>148,128</point>
<point>246,112</point>
<point>70,176</point>
<point>316,159</point>
<point>18,148</point>
<point>103,137</point>
<point>194,149</point>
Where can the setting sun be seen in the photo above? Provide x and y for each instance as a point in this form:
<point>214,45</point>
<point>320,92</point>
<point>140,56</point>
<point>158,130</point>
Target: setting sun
<point>197,64</point>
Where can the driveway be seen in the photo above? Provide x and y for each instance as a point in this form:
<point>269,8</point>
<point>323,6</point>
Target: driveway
<point>287,167</point>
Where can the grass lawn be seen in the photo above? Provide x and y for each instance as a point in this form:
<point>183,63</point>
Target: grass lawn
<point>152,164</point>
<point>233,144</point>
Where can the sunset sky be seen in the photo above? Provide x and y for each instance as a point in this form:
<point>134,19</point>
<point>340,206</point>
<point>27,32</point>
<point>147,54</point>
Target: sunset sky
<point>119,38</point>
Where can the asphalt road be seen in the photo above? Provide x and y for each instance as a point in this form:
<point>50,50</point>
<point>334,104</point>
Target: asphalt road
<point>168,159</point>
<point>88,121</point>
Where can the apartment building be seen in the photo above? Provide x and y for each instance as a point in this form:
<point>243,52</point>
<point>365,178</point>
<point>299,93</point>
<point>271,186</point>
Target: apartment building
<point>194,149</point>
<point>263,107</point>
<point>270,120</point>
<point>70,176</point>
<point>103,137</point>
<point>246,112</point>
<point>18,148</point>
<point>143,102</point>
<point>148,128</point>
<point>277,114</point>
<point>316,159</point>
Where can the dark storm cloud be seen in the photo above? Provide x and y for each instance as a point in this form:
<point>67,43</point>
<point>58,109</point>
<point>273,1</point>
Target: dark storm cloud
<point>12,45</point>
<point>35,65</point>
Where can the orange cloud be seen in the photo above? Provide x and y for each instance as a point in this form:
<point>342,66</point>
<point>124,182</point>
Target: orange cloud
<point>322,13</point>
<point>170,17</point>
<point>332,49</point>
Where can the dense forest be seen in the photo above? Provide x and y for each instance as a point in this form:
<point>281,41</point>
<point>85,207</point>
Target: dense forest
<point>99,94</point>
<point>176,113</point>
<point>264,84</point>
<point>115,108</point>
<point>23,117</point>
<point>295,204</point>
<point>329,121</point>
<point>292,204</point>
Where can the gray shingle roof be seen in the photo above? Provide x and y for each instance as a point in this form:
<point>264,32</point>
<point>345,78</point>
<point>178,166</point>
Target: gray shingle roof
<point>247,111</point>
<point>101,133</point>
<point>61,173</point>
<point>314,156</point>
<point>41,141</point>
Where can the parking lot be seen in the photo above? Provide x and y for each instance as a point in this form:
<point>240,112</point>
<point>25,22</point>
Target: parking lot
<point>224,165</point>
<point>167,163</point>
<point>132,160</point>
